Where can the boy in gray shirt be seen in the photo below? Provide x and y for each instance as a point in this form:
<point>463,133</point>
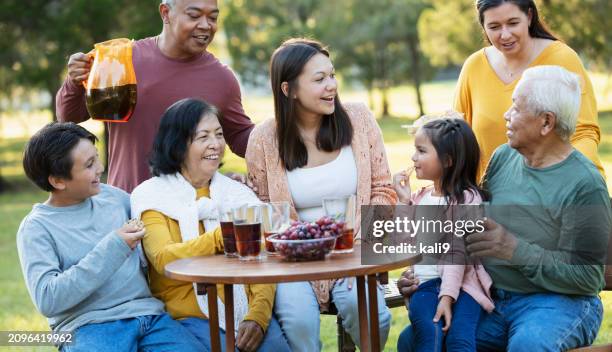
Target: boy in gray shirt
<point>77,252</point>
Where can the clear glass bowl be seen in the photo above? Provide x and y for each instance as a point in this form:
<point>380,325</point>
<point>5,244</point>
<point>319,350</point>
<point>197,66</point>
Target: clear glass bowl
<point>303,250</point>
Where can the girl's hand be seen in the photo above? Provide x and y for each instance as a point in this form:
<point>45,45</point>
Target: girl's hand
<point>401,183</point>
<point>444,309</point>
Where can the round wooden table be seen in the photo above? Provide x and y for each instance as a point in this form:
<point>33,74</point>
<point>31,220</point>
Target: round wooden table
<point>209,271</point>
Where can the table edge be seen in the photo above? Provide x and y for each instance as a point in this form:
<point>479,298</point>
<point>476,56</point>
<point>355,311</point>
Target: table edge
<point>272,279</point>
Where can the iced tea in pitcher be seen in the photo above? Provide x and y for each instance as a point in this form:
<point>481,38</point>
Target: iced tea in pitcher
<point>111,86</point>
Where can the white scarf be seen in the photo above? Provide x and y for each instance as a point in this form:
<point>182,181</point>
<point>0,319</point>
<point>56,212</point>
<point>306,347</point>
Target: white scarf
<point>175,197</point>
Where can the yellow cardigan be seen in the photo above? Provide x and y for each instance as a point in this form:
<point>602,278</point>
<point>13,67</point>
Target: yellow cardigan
<point>484,98</point>
<point>163,244</point>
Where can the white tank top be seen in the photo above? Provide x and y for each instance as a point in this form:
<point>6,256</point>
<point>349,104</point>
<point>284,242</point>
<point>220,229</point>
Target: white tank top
<point>426,272</point>
<point>308,186</point>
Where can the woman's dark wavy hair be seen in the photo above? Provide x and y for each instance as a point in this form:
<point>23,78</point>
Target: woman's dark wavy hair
<point>537,28</point>
<point>459,155</point>
<point>176,131</point>
<point>336,131</point>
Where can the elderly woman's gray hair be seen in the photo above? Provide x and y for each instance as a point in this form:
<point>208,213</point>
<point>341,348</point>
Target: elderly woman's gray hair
<point>556,90</point>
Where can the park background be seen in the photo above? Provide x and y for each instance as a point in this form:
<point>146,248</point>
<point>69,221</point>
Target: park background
<point>401,57</point>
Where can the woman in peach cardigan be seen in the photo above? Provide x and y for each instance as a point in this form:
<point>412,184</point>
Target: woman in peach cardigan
<point>315,148</point>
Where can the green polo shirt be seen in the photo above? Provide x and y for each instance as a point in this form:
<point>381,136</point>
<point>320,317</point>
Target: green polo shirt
<point>561,217</point>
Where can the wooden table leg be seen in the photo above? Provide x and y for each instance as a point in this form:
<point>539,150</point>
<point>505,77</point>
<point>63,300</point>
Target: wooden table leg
<point>373,309</point>
<point>383,278</point>
<point>230,338</point>
<point>363,315</point>
<point>213,318</point>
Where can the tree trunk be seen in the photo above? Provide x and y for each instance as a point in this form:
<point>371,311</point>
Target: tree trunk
<point>413,45</point>
<point>370,88</point>
<point>384,89</point>
<point>52,92</point>
<point>52,87</point>
<point>3,183</point>
<point>385,99</point>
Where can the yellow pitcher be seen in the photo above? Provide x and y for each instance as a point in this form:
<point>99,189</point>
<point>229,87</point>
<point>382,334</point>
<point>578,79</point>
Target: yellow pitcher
<point>111,86</point>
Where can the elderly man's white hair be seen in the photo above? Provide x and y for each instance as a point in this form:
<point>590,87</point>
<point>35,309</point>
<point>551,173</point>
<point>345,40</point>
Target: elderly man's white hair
<point>556,90</point>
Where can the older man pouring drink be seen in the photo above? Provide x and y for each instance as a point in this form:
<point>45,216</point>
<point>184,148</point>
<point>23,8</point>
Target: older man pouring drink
<point>545,249</point>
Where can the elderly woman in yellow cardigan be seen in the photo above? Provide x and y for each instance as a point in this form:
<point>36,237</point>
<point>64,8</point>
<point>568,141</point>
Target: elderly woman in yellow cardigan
<point>179,209</point>
<point>315,148</point>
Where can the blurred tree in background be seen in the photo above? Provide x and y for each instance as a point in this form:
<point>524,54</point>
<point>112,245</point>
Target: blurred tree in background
<point>373,42</point>
<point>585,25</point>
<point>377,44</point>
<point>254,28</point>
<point>449,31</point>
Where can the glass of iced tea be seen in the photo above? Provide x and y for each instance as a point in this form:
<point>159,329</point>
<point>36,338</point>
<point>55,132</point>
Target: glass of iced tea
<point>226,219</point>
<point>247,229</point>
<point>275,219</point>
<point>342,209</point>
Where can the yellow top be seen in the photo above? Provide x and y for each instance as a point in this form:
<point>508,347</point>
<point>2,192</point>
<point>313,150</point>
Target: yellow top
<point>483,98</point>
<point>163,244</point>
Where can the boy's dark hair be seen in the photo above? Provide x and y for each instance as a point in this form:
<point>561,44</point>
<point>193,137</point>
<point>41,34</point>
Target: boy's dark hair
<point>459,155</point>
<point>176,130</point>
<point>286,65</point>
<point>47,153</point>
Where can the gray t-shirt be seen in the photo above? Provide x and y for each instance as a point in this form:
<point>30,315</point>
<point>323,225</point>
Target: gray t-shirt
<point>77,269</point>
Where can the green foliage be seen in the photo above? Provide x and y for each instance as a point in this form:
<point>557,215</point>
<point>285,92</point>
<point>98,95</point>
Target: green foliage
<point>378,43</point>
<point>585,25</point>
<point>449,31</point>
<point>371,37</point>
<point>374,42</point>
<point>254,28</point>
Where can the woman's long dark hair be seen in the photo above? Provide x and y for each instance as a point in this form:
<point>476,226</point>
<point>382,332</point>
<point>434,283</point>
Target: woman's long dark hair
<point>336,131</point>
<point>459,155</point>
<point>537,28</point>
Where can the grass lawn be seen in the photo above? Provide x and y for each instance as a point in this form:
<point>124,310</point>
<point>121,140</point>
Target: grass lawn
<point>17,311</point>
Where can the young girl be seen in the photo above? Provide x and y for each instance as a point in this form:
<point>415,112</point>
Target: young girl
<point>447,153</point>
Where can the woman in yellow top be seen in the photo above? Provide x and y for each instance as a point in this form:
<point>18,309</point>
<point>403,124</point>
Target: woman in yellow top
<point>179,209</point>
<point>518,40</point>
